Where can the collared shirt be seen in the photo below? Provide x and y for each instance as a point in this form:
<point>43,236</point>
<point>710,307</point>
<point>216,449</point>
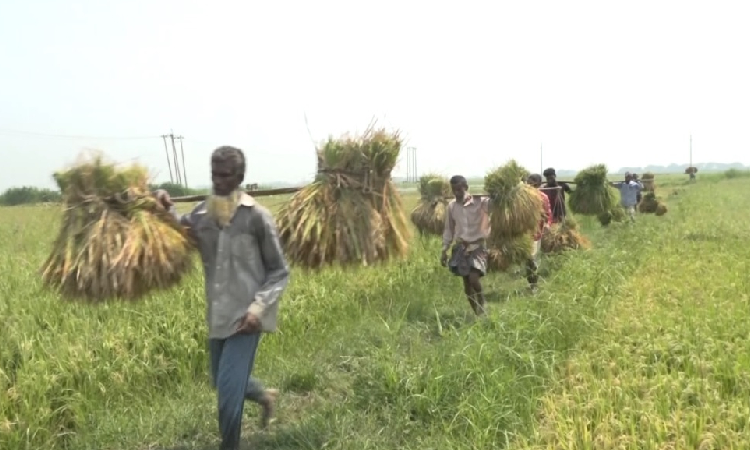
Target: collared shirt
<point>243,263</point>
<point>556,194</point>
<point>468,221</point>
<point>629,192</point>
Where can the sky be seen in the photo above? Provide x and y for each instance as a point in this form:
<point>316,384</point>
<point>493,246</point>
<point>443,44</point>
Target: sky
<point>470,85</point>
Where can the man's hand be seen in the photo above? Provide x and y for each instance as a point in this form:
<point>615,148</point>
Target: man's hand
<point>444,258</point>
<point>163,198</point>
<point>250,324</point>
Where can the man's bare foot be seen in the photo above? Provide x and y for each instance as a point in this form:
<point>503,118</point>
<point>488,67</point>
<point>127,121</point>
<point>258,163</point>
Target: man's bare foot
<point>269,406</point>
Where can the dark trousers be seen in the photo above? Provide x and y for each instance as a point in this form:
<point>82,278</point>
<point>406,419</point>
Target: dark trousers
<point>232,362</point>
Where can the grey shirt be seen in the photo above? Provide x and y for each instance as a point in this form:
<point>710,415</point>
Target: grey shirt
<point>244,266</point>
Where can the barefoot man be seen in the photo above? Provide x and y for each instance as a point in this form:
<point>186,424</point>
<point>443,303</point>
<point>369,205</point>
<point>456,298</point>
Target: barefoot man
<point>468,223</point>
<point>532,265</point>
<point>246,273</point>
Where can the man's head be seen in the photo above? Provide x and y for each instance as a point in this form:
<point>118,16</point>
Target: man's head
<point>550,175</point>
<point>227,173</point>
<point>535,180</point>
<point>227,169</point>
<point>628,176</point>
<point>459,186</point>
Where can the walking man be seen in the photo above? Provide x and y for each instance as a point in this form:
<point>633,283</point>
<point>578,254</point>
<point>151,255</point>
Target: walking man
<point>532,266</point>
<point>556,193</point>
<point>629,190</point>
<point>245,273</point>
<point>467,222</point>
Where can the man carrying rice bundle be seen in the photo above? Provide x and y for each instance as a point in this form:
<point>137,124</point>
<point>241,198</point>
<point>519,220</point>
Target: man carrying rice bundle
<point>629,193</point>
<point>245,273</point>
<point>532,265</point>
<point>556,193</point>
<point>467,222</point>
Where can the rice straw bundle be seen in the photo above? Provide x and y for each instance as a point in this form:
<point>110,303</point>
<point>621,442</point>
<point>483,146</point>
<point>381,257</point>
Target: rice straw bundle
<point>691,170</point>
<point>509,252</point>
<point>616,214</point>
<point>649,203</point>
<point>352,212</point>
<point>516,208</point>
<point>429,214</point>
<point>593,194</point>
<point>115,239</point>
<point>648,182</point>
<point>661,209</point>
<point>564,236</point>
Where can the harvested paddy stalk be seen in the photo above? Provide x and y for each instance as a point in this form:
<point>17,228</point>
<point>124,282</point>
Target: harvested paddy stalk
<point>564,236</point>
<point>352,213</point>
<point>648,181</point>
<point>516,208</point>
<point>649,203</point>
<point>691,170</point>
<point>661,209</point>
<point>115,241</point>
<point>509,252</point>
<point>429,214</point>
<point>593,194</point>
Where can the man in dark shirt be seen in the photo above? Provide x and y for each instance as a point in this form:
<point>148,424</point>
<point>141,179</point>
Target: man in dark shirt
<point>556,193</point>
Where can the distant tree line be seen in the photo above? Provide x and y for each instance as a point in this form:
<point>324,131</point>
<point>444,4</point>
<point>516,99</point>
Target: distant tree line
<point>27,195</point>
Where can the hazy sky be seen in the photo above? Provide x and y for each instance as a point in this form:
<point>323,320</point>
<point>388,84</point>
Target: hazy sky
<point>471,85</point>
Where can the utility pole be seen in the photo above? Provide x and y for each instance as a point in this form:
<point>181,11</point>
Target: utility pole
<point>416,174</point>
<point>411,164</point>
<point>541,158</point>
<point>691,150</point>
<point>169,163</point>
<point>179,177</point>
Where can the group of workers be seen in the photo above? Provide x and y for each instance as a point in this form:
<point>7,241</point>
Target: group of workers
<point>467,224</point>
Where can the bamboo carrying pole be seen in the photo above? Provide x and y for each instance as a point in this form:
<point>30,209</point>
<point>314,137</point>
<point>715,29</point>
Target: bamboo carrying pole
<point>278,191</point>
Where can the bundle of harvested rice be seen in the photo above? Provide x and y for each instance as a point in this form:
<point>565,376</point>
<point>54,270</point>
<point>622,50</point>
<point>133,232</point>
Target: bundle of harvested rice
<point>508,252</point>
<point>648,182</point>
<point>593,194</point>
<point>564,236</point>
<point>115,239</point>
<point>352,213</point>
<point>661,209</point>
<point>616,214</point>
<point>649,203</point>
<point>691,170</point>
<point>429,214</point>
<point>516,208</point>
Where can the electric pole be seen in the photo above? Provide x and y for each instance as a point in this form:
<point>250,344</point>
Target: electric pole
<point>691,150</point>
<point>169,163</point>
<point>541,158</point>
<point>179,177</point>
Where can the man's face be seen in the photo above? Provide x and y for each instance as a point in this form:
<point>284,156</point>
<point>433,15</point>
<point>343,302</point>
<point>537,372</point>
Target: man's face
<point>628,177</point>
<point>551,179</point>
<point>224,176</point>
<point>459,190</point>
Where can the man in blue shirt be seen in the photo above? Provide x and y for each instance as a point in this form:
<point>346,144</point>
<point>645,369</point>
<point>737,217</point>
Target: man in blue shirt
<point>629,191</point>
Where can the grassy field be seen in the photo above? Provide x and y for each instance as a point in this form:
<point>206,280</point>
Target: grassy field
<point>641,343</point>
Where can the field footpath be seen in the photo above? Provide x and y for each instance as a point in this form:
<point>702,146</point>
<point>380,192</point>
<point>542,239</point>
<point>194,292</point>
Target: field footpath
<point>671,367</point>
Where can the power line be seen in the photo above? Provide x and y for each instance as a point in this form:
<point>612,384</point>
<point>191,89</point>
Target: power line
<point>73,136</point>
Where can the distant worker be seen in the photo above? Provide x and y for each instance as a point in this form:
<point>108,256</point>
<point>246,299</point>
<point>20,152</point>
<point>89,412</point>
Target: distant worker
<point>532,266</point>
<point>467,222</point>
<point>629,190</point>
<point>556,193</point>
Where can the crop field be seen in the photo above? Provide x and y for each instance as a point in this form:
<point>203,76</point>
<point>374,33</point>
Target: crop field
<point>642,342</point>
